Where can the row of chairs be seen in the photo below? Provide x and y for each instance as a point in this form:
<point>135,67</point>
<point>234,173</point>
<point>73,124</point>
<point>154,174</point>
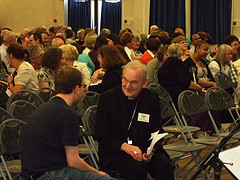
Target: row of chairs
<point>190,103</point>
<point>19,107</point>
<point>13,146</point>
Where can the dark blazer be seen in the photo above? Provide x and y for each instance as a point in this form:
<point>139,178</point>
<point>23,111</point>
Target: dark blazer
<point>111,79</point>
<point>174,77</point>
<point>113,118</point>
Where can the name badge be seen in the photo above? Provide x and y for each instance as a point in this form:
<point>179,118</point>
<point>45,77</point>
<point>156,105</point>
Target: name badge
<point>142,117</point>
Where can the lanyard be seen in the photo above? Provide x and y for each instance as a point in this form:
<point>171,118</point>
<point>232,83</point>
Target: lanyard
<point>133,115</point>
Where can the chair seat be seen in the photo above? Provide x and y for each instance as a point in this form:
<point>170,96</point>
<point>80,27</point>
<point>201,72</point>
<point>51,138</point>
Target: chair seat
<point>213,140</point>
<point>235,136</point>
<point>176,129</point>
<point>168,136</point>
<point>82,148</point>
<point>184,147</point>
<point>14,166</point>
<point>174,154</point>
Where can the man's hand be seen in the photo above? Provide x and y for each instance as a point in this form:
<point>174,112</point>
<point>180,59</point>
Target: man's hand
<point>133,151</point>
<point>103,173</point>
<point>10,79</point>
<point>147,158</point>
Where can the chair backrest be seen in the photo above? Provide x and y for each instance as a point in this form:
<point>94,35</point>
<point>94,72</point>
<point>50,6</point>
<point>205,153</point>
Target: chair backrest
<point>21,109</point>
<point>89,119</point>
<point>161,91</point>
<point>166,109</point>
<point>11,136</point>
<point>46,93</point>
<point>3,88</point>
<point>190,103</point>
<point>218,99</point>
<point>25,95</point>
<point>89,98</point>
<point>4,115</point>
<point>223,81</point>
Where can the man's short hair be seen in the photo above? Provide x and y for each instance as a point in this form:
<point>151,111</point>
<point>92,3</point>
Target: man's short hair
<point>69,33</point>
<point>8,36</point>
<point>153,44</point>
<point>126,38</point>
<point>105,32</point>
<point>33,49</point>
<point>66,80</point>
<point>136,64</point>
<point>51,57</point>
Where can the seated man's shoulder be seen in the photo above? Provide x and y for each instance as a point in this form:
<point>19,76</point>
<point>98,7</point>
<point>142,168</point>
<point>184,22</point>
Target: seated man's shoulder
<point>111,92</point>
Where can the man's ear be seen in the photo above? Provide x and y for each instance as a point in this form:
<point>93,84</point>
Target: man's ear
<point>145,83</point>
<point>76,89</point>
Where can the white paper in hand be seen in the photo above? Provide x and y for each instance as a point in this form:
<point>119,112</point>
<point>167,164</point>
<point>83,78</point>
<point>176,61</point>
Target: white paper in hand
<point>155,138</point>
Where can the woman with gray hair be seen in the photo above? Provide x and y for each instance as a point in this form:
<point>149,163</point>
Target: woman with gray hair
<point>174,76</point>
<point>137,39</point>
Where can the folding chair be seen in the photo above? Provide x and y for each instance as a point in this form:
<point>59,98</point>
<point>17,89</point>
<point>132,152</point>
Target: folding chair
<point>21,109</point>
<point>11,144</point>
<point>190,104</point>
<point>181,148</point>
<point>25,95</point>
<point>3,88</point>
<point>88,120</point>
<point>46,93</point>
<point>4,115</point>
<point>162,92</point>
<point>218,99</point>
<point>225,82</point>
<point>89,98</point>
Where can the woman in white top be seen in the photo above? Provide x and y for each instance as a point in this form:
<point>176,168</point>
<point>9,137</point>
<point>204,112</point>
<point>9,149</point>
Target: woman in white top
<point>70,54</point>
<point>222,60</point>
<point>26,77</point>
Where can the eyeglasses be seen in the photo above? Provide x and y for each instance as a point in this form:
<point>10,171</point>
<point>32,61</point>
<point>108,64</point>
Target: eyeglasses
<point>40,55</point>
<point>183,42</point>
<point>125,81</point>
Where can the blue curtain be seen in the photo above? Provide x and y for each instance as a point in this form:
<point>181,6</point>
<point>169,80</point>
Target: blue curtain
<point>167,14</point>
<point>79,14</point>
<point>111,16</point>
<point>213,17</point>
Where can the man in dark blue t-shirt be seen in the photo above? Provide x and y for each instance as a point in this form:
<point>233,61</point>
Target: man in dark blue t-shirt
<point>51,136</point>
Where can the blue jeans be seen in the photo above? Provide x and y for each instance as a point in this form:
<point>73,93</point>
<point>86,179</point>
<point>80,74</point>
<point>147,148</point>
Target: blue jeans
<point>68,173</point>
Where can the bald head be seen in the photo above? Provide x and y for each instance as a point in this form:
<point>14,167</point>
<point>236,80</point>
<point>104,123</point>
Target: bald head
<point>9,38</point>
<point>153,28</point>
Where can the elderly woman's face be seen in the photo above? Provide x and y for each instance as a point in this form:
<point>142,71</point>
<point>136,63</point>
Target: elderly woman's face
<point>183,45</point>
<point>136,44</point>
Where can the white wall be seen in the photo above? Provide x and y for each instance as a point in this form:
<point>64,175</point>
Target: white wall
<point>18,14</point>
<point>135,15</point>
<point>236,17</point>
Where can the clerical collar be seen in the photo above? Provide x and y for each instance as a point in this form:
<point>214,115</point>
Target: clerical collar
<point>131,98</point>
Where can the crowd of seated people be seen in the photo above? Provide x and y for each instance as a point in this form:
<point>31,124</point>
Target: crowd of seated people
<point>136,46</point>
<point>31,60</point>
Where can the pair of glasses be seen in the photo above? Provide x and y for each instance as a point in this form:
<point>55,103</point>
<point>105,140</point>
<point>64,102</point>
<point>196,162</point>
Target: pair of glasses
<point>125,81</point>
